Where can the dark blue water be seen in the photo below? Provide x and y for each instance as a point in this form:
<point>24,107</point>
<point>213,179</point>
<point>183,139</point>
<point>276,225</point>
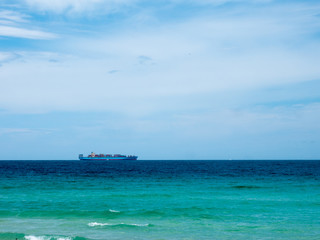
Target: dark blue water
<point>159,168</point>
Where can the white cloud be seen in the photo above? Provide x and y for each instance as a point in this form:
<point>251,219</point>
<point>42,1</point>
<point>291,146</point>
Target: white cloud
<point>11,17</point>
<point>14,130</point>
<point>16,24</point>
<point>17,32</point>
<point>210,55</point>
<point>35,84</point>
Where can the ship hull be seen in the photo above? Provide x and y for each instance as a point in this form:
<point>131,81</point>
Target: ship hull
<point>108,159</point>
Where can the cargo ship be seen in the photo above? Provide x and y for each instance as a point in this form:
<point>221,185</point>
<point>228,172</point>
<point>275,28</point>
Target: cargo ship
<point>106,157</point>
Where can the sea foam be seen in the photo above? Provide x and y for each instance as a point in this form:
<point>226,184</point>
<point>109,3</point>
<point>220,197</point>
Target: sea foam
<point>114,211</point>
<point>31,237</point>
<point>93,224</point>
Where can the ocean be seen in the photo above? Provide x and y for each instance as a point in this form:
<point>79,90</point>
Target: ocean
<point>159,200</point>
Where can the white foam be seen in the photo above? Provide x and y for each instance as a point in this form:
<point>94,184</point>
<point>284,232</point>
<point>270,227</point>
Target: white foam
<point>140,225</point>
<point>46,238</point>
<point>93,224</point>
<point>111,210</point>
<point>35,238</point>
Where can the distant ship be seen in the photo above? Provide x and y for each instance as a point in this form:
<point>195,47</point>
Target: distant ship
<point>106,157</point>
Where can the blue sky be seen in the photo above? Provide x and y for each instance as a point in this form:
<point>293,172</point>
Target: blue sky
<point>205,79</point>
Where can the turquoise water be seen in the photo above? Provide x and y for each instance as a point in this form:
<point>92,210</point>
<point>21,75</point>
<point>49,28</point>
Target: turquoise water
<point>159,200</point>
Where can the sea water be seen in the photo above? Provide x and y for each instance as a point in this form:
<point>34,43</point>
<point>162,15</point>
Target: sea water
<point>159,200</point>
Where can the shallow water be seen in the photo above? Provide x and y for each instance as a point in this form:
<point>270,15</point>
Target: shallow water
<point>159,200</point>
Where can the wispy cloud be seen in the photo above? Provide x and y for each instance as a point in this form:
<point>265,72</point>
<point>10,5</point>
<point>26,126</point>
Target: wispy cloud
<point>8,31</point>
<point>18,25</point>
<point>12,17</point>
<point>15,131</point>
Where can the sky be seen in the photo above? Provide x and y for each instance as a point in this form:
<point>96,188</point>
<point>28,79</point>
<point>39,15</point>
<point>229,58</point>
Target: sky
<point>166,79</point>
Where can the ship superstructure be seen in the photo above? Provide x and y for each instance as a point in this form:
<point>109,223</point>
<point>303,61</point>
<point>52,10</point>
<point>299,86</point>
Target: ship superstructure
<point>106,157</point>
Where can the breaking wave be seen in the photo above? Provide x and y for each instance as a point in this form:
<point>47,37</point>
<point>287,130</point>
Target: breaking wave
<point>113,211</point>
<point>22,236</point>
<point>31,237</point>
<point>94,224</point>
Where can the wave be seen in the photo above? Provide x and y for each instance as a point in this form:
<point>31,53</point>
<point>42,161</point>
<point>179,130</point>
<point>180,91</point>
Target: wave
<point>113,211</point>
<point>12,235</point>
<point>31,237</point>
<point>94,224</point>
